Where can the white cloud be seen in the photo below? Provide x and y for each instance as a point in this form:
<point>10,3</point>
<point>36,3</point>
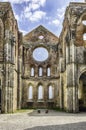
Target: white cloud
<point>27,15</point>
<point>23,32</point>
<point>56,22</point>
<point>60,12</point>
<point>33,12</point>
<point>17,17</point>
<point>31,7</point>
<point>41,2</point>
<point>34,5</point>
<point>15,1</point>
<point>37,15</point>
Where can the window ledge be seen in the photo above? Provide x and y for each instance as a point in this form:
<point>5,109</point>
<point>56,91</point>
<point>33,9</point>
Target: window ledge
<point>50,100</point>
<point>40,101</point>
<point>30,101</point>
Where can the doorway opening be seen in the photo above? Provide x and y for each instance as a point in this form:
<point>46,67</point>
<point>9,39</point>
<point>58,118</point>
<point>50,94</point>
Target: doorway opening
<point>0,99</point>
<point>82,92</point>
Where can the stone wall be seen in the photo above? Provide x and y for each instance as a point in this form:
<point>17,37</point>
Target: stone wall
<point>8,58</point>
<point>73,54</point>
<point>49,42</point>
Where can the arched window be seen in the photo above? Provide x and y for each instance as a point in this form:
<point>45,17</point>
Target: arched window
<point>40,71</point>
<point>84,22</point>
<point>40,92</point>
<point>84,36</point>
<point>32,71</point>
<point>48,71</point>
<point>30,92</point>
<point>51,92</point>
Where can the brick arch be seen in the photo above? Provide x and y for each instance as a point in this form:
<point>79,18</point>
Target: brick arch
<point>40,70</point>
<point>30,91</point>
<point>82,91</point>
<point>48,66</point>
<point>32,70</point>
<point>80,29</point>
<point>83,70</point>
<point>53,87</point>
<point>40,91</point>
<point>40,83</point>
<point>30,84</point>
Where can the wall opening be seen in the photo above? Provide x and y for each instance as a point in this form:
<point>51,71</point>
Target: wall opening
<point>40,71</point>
<point>32,71</point>
<point>40,92</point>
<point>30,92</point>
<point>84,22</point>
<point>51,92</point>
<point>84,36</point>
<point>82,92</point>
<point>48,71</point>
<point>0,94</point>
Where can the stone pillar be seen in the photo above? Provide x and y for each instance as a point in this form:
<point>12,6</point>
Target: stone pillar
<point>80,90</point>
<point>75,99</point>
<point>70,99</point>
<point>72,88</point>
<point>61,92</point>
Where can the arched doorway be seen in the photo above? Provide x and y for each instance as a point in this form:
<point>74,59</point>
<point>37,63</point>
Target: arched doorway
<point>82,92</point>
<point>0,99</point>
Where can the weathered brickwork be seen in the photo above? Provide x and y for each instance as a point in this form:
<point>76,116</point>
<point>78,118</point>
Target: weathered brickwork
<point>73,49</point>
<point>48,41</point>
<point>9,43</point>
<point>41,70</point>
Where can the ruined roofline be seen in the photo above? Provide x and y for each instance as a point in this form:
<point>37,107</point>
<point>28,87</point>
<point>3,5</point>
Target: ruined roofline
<point>42,27</point>
<point>6,6</point>
<point>77,3</point>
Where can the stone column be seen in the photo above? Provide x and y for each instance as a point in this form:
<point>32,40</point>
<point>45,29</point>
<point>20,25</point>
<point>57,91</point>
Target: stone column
<point>70,99</point>
<point>75,99</point>
<point>61,92</point>
<point>72,96</point>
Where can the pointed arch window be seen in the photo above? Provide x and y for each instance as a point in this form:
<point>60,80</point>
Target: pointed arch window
<point>84,22</point>
<point>32,71</point>
<point>84,36</point>
<point>40,92</point>
<point>30,92</point>
<point>48,71</point>
<point>51,92</point>
<point>40,71</point>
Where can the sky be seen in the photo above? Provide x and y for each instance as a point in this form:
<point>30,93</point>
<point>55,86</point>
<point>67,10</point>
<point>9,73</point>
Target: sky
<point>32,13</point>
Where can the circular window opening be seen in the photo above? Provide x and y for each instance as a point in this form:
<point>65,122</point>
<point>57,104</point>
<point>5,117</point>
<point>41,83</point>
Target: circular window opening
<point>40,54</point>
<point>41,37</point>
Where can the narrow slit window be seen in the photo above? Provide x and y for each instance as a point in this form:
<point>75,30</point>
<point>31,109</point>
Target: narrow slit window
<point>51,92</point>
<point>30,92</point>
<point>40,92</point>
<point>40,71</point>
<point>48,71</point>
<point>32,71</point>
<point>84,22</point>
<point>84,36</point>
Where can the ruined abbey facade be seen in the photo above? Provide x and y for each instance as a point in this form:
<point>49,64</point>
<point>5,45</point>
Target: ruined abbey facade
<point>40,70</point>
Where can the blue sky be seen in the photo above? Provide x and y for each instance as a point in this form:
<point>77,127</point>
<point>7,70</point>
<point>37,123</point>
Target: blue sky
<point>32,13</point>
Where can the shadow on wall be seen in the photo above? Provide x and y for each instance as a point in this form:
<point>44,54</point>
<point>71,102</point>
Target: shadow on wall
<point>72,126</point>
